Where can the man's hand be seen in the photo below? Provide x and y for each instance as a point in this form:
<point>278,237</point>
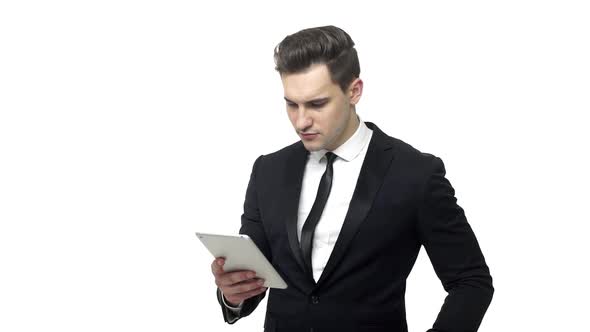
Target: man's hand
<point>236,286</point>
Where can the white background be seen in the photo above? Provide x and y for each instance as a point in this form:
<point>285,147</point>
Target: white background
<point>126,126</point>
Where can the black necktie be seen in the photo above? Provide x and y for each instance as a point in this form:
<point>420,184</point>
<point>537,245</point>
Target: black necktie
<point>316,211</point>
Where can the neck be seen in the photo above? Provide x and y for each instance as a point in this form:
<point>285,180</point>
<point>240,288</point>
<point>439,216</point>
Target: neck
<point>353,124</point>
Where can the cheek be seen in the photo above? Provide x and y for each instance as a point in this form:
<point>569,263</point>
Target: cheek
<point>333,119</point>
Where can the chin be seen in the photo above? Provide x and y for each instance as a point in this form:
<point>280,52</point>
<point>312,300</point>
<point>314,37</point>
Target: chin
<point>312,147</point>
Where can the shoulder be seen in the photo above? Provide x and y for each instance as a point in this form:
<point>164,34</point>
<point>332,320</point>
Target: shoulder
<point>282,156</point>
<point>405,154</point>
<point>415,168</point>
<point>286,152</point>
<point>412,157</point>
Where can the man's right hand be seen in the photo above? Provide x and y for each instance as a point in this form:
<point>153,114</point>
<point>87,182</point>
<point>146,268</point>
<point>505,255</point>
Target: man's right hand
<point>236,286</point>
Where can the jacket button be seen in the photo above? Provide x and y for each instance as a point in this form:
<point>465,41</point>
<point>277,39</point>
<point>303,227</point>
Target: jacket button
<point>315,299</point>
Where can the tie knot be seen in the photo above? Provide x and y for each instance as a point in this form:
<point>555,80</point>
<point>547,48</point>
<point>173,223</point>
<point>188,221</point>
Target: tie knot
<point>330,157</point>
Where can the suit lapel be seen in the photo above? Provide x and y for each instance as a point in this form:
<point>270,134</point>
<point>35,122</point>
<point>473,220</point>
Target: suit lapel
<point>293,181</point>
<point>373,170</point>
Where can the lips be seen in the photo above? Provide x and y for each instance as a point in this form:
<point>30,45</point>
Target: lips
<point>309,136</point>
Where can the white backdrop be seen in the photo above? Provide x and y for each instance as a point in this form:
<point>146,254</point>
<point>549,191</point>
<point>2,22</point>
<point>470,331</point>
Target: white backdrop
<point>126,126</point>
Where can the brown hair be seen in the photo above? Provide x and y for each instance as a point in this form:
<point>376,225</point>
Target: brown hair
<point>328,45</point>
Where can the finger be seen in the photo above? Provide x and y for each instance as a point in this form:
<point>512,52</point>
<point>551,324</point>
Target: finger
<point>231,278</point>
<point>217,265</point>
<point>246,295</point>
<point>243,287</point>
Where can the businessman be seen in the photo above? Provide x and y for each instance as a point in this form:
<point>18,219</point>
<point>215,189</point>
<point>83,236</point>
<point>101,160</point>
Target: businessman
<point>342,213</point>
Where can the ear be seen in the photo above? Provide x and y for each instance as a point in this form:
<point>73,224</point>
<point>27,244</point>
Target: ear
<point>355,91</point>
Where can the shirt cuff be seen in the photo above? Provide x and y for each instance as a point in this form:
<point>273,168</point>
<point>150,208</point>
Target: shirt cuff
<point>234,309</point>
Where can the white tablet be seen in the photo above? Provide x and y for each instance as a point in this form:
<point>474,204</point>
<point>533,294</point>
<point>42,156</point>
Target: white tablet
<point>241,253</point>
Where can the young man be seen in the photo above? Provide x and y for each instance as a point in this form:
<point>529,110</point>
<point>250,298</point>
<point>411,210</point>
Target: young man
<point>343,212</point>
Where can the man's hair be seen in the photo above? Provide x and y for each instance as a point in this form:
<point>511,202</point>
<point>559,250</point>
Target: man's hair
<point>328,45</point>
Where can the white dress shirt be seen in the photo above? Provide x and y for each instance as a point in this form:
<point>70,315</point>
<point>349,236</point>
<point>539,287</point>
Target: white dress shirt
<point>346,167</point>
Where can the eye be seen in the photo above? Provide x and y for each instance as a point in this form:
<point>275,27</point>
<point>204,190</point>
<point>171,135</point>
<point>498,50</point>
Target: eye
<point>313,105</point>
<point>317,105</point>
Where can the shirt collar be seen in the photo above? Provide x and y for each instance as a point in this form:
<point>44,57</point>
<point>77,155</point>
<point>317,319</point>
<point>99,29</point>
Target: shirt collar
<point>350,149</point>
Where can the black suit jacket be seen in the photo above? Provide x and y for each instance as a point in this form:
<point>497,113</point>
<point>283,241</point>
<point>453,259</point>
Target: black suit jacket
<point>402,200</point>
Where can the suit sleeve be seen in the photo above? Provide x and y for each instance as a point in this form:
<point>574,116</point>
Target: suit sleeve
<point>253,227</point>
<point>455,255</point>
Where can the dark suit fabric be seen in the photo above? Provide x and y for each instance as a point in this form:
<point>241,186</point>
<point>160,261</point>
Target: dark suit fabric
<point>402,201</point>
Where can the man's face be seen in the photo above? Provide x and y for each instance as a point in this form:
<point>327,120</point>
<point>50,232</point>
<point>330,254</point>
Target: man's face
<point>317,106</point>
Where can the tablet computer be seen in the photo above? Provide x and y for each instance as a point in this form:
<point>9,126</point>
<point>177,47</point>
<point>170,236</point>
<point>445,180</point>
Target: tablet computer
<point>241,253</point>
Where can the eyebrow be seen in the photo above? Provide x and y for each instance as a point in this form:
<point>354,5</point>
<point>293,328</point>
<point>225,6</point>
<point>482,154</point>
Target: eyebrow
<point>317,100</point>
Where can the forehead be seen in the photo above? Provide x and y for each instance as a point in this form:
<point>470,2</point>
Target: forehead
<point>313,82</point>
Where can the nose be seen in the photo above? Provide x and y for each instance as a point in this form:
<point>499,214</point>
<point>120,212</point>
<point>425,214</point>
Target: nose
<point>303,120</point>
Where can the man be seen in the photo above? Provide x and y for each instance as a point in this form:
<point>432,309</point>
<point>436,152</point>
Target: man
<point>343,212</point>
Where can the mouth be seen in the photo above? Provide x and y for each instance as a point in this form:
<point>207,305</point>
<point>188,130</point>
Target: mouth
<point>309,136</point>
